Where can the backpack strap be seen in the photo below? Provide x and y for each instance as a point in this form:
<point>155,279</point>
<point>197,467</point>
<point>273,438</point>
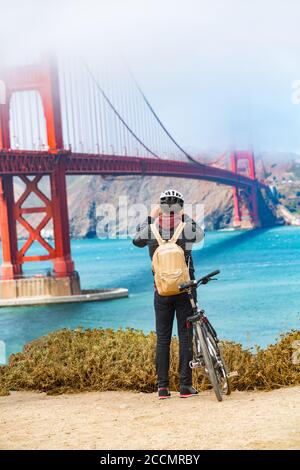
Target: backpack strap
<point>177,232</point>
<point>157,235</point>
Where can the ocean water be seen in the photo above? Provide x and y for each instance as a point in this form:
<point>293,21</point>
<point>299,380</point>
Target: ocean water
<point>256,297</point>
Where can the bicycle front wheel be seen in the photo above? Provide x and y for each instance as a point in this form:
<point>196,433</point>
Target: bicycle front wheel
<point>208,361</point>
<point>219,364</point>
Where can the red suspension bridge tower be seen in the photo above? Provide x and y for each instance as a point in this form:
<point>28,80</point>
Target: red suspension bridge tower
<point>42,78</point>
<point>245,200</point>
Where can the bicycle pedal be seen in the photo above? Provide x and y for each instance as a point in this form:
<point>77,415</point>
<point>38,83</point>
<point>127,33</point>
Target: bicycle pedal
<point>234,373</point>
<point>194,365</point>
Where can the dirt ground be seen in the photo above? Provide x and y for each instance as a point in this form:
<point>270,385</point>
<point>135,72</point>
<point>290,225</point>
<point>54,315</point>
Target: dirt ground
<point>126,420</point>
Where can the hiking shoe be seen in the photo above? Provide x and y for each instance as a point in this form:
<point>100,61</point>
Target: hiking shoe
<point>163,393</point>
<point>187,391</point>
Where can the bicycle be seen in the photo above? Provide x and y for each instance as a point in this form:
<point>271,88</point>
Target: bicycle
<point>206,353</point>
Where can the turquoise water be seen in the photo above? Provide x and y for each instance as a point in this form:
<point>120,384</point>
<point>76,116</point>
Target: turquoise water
<point>256,298</point>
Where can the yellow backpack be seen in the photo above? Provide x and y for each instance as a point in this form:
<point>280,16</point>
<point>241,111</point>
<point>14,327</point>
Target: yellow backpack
<point>168,263</point>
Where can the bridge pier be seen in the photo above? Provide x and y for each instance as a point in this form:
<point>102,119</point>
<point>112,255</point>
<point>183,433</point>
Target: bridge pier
<point>245,200</point>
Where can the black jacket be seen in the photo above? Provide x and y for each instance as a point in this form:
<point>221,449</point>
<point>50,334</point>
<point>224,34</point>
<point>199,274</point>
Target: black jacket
<point>192,233</point>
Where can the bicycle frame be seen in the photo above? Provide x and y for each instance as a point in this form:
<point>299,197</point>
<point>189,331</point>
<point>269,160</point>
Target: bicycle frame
<point>199,314</point>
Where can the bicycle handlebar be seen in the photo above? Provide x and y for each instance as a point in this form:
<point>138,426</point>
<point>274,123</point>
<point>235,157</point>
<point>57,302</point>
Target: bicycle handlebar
<point>194,284</point>
<point>208,276</point>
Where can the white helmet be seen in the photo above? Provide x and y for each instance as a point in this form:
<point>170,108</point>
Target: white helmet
<point>170,194</point>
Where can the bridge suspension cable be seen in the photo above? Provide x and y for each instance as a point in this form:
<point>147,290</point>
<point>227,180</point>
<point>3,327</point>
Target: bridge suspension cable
<point>136,117</point>
<point>102,113</point>
<point>188,156</point>
<point>108,101</point>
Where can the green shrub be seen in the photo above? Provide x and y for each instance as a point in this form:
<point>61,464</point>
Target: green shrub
<point>74,361</point>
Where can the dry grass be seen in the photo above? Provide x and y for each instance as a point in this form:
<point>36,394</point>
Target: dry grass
<point>73,361</point>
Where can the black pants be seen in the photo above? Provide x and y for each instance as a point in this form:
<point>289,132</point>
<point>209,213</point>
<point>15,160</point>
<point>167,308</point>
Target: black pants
<point>165,308</point>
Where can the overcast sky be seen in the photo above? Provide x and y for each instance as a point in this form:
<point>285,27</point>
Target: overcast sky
<point>218,72</point>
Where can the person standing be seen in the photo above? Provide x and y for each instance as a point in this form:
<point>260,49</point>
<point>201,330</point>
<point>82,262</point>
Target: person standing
<point>167,222</point>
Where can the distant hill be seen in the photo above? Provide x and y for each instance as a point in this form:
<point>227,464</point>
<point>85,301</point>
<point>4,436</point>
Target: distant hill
<point>86,219</point>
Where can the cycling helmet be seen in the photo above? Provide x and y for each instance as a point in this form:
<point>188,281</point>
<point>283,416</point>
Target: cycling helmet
<point>171,194</point>
<point>170,199</point>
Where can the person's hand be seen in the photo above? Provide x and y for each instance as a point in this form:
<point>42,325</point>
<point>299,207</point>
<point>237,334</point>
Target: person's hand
<point>155,211</point>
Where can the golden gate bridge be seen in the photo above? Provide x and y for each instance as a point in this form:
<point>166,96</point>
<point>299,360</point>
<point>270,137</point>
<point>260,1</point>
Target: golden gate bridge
<point>60,120</point>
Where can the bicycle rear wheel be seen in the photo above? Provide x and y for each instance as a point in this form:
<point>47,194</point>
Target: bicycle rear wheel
<point>208,360</point>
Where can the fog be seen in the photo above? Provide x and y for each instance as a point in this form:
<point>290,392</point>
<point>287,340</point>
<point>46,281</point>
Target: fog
<point>218,73</point>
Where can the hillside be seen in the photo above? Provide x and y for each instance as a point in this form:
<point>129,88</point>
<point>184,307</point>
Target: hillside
<point>87,215</point>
